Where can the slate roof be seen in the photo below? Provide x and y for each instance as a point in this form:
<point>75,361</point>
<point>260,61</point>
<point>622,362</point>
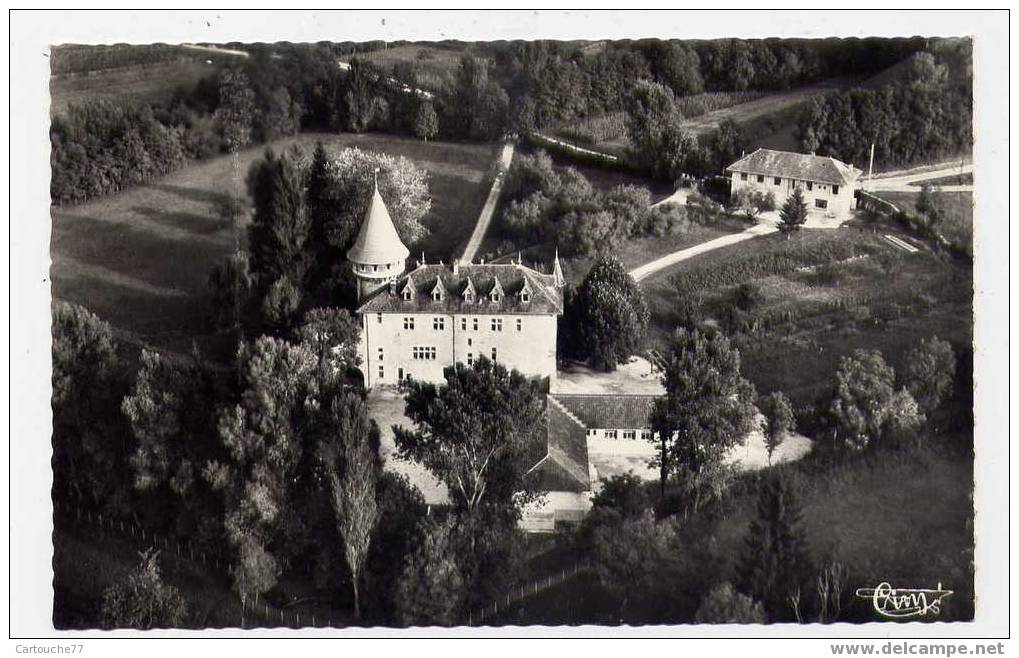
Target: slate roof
<point>564,464</point>
<point>623,412</point>
<point>799,166</point>
<point>511,278</point>
<point>377,241</point>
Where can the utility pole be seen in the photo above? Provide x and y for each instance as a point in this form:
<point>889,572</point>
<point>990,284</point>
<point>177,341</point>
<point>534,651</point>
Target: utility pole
<point>870,173</point>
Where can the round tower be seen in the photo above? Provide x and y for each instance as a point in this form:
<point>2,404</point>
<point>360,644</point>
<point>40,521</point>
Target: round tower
<point>378,256</point>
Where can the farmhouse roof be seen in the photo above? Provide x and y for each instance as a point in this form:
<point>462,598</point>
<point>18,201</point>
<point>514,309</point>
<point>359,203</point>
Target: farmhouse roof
<point>799,166</point>
<point>561,462</point>
<point>510,278</point>
<point>377,241</point>
<point>625,412</point>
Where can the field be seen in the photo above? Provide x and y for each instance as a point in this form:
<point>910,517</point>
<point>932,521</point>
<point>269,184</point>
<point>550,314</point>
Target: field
<point>874,514</point>
<point>813,314</point>
<point>141,259</point>
<point>433,64</point>
<point>958,223</point>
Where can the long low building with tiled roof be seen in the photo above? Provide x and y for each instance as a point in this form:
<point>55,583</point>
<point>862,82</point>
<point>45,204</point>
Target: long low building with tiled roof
<point>828,185</point>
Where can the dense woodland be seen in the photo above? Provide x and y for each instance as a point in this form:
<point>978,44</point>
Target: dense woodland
<point>102,147</point>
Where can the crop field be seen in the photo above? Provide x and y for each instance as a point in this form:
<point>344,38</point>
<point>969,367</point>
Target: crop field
<point>140,259</point>
<point>823,293</point>
<point>433,64</point>
<point>958,223</point>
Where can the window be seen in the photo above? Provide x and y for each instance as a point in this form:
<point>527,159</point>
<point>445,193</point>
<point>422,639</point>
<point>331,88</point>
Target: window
<point>463,323</point>
<point>495,354</point>
<point>496,324</point>
<point>646,434</point>
<point>495,296</point>
<point>423,353</point>
<point>378,316</point>
<point>380,354</point>
<point>742,176</point>
<point>475,324</point>
<point>629,434</point>
<point>520,324</point>
<point>468,296</point>
<point>778,181</point>
<point>439,324</point>
<point>810,186</point>
<point>525,297</point>
<point>382,372</point>
<point>760,178</point>
<point>470,341</point>
<point>399,374</point>
<point>436,296</point>
<point>834,189</point>
<point>407,295</point>
<point>470,358</point>
<point>408,323</point>
<point>610,434</point>
<point>821,203</point>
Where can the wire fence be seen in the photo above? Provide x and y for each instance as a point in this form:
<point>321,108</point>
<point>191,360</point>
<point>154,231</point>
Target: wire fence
<point>523,591</point>
<point>249,615</point>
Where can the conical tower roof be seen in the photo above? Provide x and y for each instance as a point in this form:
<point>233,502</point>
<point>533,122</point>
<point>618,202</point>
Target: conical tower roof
<point>377,241</point>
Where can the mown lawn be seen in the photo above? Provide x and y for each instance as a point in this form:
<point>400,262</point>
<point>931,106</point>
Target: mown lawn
<point>141,259</point>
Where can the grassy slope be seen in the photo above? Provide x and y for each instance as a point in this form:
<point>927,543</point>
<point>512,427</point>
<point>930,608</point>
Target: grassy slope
<point>433,64</point>
<point>155,83</point>
<point>141,258</point>
<point>801,362</point>
<point>958,224</point>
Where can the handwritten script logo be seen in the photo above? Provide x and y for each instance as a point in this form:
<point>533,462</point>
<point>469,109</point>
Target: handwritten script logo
<point>903,603</point>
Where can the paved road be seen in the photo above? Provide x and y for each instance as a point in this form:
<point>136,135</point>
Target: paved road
<point>485,218</point>
<point>907,181</point>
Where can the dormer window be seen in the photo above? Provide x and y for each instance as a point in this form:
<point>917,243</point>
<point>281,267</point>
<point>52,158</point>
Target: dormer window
<point>525,297</point>
<point>468,291</point>
<point>436,296</point>
<point>407,295</point>
<point>438,291</point>
<point>495,294</point>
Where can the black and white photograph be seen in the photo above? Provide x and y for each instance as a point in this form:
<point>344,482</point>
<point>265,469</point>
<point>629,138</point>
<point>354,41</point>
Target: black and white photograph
<point>399,322</point>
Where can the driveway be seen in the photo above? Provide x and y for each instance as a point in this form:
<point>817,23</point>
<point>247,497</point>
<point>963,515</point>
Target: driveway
<point>485,218</point>
<point>908,181</point>
<point>763,227</point>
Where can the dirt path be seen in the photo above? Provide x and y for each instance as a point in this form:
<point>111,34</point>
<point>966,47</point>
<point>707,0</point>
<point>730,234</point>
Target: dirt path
<point>647,269</point>
<point>485,218</point>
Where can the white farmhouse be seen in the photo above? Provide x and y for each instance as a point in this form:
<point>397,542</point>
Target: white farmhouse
<point>415,324</point>
<point>828,185</point>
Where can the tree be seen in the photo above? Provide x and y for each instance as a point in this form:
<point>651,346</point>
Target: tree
<point>609,314</point>
<point>659,144</point>
<point>230,292</point>
<point>778,419</point>
<point>332,334</point>
<point>625,493</point>
<point>402,510</point>
<point>279,228</point>
<point>280,304</point>
<point>351,456</point>
<point>143,601</point>
<point>431,589</point>
<point>707,408</point>
<point>426,122</point>
<point>930,203</point>
<point>864,402</point>
<point>724,605</point>
<point>930,372</point>
<point>793,214</point>
<point>632,558</point>
<point>774,566</point>
<point>472,432</point>
<point>236,112</point>
<point>89,445</point>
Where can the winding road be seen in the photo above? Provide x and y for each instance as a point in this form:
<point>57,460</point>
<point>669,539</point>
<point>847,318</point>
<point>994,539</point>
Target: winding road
<point>907,181</point>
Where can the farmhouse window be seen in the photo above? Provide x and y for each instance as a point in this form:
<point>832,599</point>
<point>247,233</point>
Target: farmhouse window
<point>611,434</point>
<point>834,189</point>
<point>820,203</point>
<point>439,324</point>
<point>408,323</point>
<point>778,181</point>
<point>375,268</point>
<point>742,176</point>
<point>646,434</point>
<point>629,434</point>
<point>810,186</point>
<point>760,178</point>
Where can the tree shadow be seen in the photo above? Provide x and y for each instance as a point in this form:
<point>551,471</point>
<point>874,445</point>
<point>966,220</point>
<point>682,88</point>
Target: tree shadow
<point>194,193</point>
<point>191,222</point>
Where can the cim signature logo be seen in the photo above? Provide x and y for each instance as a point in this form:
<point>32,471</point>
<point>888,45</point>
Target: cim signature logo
<point>901,603</point>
